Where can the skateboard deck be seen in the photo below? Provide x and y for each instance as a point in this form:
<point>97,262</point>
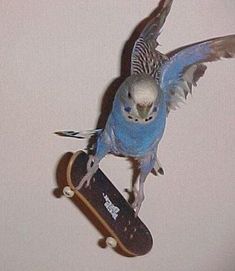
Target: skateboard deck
<point>110,208</point>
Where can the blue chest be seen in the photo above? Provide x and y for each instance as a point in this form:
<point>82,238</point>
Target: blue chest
<point>135,139</point>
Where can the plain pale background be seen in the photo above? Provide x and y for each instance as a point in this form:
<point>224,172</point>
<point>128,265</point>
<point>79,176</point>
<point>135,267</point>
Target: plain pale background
<point>57,58</point>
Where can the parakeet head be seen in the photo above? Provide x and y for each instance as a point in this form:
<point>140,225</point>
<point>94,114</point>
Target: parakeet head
<point>139,96</point>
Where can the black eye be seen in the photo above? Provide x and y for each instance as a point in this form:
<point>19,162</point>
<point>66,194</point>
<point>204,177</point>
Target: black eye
<point>127,109</point>
<point>129,95</point>
<point>154,109</point>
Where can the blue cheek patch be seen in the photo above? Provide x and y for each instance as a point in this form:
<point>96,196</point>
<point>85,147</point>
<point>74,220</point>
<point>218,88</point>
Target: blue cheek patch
<point>127,109</point>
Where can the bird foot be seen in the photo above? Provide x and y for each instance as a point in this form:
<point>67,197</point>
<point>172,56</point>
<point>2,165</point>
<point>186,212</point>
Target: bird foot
<point>139,198</point>
<point>158,169</point>
<point>92,167</point>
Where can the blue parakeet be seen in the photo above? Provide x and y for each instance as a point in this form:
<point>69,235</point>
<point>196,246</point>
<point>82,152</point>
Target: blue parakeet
<point>156,85</point>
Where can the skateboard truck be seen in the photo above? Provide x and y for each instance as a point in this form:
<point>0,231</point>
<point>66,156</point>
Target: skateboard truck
<point>68,192</point>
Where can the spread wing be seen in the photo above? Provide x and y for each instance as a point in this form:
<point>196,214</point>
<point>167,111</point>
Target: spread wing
<point>186,66</point>
<point>145,58</point>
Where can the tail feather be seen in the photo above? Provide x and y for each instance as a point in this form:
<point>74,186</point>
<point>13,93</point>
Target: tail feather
<point>79,135</point>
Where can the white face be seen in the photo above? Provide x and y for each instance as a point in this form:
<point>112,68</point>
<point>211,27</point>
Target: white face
<point>139,96</point>
<point>144,93</point>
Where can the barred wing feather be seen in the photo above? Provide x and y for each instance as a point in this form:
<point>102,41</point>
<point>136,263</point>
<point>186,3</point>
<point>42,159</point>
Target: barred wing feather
<point>145,58</point>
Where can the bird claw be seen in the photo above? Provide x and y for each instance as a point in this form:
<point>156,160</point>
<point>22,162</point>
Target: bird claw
<point>161,171</point>
<point>85,181</point>
<point>157,169</point>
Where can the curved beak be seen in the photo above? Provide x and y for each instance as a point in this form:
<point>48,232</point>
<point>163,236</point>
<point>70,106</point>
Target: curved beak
<point>143,110</point>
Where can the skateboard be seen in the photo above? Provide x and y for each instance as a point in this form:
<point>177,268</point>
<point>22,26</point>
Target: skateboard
<point>126,231</point>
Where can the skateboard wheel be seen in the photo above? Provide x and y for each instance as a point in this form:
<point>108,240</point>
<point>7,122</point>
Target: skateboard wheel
<point>68,192</point>
<point>111,242</point>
